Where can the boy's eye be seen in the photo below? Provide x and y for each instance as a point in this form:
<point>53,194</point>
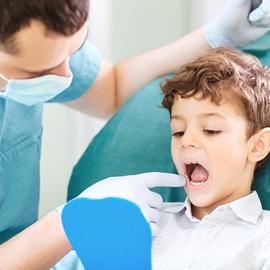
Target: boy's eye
<point>178,134</point>
<point>211,132</point>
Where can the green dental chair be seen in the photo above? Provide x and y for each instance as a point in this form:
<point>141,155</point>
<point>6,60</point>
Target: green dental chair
<point>137,139</point>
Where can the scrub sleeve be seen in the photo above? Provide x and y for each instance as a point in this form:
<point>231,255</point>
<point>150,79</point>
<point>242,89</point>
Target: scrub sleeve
<point>20,144</point>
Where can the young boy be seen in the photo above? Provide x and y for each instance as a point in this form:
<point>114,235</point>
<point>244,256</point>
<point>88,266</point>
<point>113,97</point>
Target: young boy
<point>220,122</point>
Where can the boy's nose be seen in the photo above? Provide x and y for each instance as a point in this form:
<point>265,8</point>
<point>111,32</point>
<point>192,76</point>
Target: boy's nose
<point>189,139</point>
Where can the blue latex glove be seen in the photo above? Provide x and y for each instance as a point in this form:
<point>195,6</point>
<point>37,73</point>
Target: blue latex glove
<point>260,16</point>
<point>232,27</point>
<point>135,188</point>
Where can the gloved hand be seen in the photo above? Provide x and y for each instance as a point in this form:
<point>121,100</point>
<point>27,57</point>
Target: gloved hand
<point>232,27</point>
<point>136,189</point>
<point>260,16</point>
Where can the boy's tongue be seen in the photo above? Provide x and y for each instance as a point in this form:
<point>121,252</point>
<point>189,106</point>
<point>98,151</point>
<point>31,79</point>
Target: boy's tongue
<point>199,174</point>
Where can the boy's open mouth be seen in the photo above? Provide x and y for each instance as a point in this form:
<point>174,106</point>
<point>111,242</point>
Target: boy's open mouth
<point>196,173</point>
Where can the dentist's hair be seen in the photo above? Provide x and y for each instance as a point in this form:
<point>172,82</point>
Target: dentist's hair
<point>225,75</point>
<point>64,17</point>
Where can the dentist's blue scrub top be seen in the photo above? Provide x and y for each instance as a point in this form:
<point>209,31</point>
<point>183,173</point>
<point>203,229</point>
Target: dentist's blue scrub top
<point>20,143</point>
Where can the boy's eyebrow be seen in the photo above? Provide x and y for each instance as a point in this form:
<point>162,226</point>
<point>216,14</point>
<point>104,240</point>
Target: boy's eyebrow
<point>177,117</point>
<point>204,115</point>
<point>207,115</point>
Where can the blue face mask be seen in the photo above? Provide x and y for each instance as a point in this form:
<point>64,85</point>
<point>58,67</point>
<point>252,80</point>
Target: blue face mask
<point>35,90</point>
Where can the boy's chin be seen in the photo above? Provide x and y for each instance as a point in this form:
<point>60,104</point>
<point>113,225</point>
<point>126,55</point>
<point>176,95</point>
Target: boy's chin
<point>199,201</point>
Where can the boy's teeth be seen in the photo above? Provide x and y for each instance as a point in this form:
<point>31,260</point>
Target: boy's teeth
<point>196,183</point>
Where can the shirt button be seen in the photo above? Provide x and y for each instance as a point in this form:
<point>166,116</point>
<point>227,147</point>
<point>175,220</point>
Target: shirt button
<point>199,235</point>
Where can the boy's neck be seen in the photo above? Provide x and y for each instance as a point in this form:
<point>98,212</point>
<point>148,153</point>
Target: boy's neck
<point>201,212</point>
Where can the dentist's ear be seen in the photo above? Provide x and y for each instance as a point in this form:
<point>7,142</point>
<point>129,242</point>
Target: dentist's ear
<point>260,146</point>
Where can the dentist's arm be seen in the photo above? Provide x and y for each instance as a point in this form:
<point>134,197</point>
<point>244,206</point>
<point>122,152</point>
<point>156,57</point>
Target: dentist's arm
<point>115,84</point>
<point>44,243</point>
<point>38,247</point>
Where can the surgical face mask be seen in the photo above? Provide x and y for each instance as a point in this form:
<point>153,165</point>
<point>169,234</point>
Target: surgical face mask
<point>35,90</point>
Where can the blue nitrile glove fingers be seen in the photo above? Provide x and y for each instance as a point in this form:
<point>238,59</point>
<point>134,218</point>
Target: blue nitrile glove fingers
<point>261,15</point>
<point>232,27</point>
<point>109,233</point>
<point>136,188</point>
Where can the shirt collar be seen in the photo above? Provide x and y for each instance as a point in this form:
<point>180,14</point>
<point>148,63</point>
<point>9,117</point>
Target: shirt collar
<point>179,207</point>
<point>247,208</point>
<point>188,212</point>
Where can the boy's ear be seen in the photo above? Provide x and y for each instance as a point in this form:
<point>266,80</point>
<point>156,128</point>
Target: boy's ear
<point>260,146</point>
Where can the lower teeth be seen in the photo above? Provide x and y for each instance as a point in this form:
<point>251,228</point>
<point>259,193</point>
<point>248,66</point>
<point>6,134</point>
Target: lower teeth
<point>196,183</point>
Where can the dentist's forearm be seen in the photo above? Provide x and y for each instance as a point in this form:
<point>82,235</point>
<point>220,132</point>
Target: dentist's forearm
<point>144,68</point>
<point>40,246</point>
<point>116,84</point>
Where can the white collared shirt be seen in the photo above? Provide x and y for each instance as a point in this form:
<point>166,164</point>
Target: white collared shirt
<point>234,236</point>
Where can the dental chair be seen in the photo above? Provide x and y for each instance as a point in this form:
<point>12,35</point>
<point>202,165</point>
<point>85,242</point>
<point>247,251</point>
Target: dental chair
<point>137,140</point>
